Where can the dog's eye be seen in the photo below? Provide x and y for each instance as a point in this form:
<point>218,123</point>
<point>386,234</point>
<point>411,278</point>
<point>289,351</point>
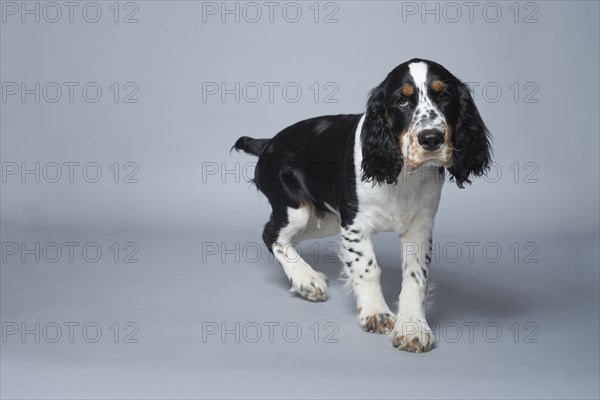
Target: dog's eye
<point>444,97</point>
<point>403,101</point>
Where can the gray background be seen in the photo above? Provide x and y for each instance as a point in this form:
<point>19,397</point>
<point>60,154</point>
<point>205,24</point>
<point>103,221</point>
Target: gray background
<point>529,288</point>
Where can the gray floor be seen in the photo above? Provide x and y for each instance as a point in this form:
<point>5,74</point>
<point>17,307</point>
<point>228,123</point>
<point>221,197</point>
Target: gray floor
<point>504,329</point>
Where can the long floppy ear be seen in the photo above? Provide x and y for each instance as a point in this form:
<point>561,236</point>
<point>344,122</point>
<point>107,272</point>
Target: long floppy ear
<point>381,157</point>
<point>471,141</point>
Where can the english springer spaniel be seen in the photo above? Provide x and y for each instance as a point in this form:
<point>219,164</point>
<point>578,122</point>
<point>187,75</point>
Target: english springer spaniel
<point>378,171</point>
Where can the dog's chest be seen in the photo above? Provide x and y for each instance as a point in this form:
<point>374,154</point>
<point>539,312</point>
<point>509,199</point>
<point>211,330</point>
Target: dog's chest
<point>394,207</point>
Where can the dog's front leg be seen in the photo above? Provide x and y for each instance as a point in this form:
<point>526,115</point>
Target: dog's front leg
<point>363,276</point>
<point>411,332</point>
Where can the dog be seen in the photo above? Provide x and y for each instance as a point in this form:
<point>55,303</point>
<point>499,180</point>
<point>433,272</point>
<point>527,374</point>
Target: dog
<point>383,170</point>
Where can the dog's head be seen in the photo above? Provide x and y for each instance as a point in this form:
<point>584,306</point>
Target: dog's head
<point>422,114</point>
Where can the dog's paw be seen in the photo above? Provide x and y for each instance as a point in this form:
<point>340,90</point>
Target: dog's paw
<point>311,285</point>
<point>412,334</point>
<point>377,323</point>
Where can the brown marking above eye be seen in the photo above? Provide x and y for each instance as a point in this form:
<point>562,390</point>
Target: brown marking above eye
<point>408,89</point>
<point>437,86</point>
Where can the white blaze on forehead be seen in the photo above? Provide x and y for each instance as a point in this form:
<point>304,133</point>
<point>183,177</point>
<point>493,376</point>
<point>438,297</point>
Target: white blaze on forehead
<point>425,106</point>
<point>418,71</point>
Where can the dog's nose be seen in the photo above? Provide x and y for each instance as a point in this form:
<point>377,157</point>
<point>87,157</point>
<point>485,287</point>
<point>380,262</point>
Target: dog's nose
<point>431,139</point>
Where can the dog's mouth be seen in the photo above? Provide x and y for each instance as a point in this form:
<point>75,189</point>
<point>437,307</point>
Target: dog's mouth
<point>413,163</point>
<point>435,163</point>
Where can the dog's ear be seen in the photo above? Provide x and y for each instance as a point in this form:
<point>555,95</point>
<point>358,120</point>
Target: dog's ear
<point>381,157</point>
<point>471,141</point>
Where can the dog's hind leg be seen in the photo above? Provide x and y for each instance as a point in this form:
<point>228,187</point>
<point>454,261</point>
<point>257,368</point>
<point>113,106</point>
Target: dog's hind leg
<point>284,227</point>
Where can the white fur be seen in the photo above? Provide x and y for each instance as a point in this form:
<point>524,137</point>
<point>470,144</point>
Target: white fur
<point>418,71</point>
<point>305,281</point>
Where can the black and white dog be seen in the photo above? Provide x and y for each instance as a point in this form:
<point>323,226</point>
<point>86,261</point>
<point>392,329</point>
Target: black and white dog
<point>378,171</point>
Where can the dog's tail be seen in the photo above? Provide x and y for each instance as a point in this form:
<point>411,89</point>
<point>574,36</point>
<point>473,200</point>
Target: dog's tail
<point>250,145</point>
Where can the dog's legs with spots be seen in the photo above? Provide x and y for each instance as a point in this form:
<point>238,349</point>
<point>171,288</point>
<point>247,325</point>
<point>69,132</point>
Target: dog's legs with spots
<point>411,332</point>
<point>363,274</point>
<point>280,233</point>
